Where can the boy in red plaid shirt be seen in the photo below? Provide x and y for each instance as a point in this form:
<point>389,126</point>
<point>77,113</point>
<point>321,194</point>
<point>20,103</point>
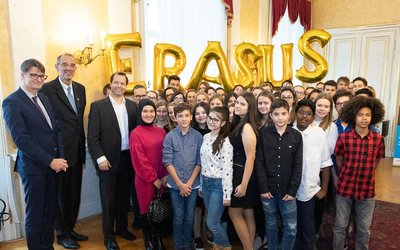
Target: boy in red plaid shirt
<point>358,153</point>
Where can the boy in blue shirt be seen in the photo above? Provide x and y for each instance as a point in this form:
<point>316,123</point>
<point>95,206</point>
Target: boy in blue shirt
<point>181,157</point>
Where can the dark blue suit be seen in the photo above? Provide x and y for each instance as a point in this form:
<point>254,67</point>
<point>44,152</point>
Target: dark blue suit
<point>38,144</point>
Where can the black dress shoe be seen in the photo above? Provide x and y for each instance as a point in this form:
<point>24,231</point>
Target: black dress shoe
<point>68,243</point>
<point>126,235</point>
<point>78,237</point>
<point>111,245</point>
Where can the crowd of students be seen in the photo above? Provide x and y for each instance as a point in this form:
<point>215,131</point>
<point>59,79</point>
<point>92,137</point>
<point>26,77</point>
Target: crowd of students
<point>223,155</point>
<point>236,159</point>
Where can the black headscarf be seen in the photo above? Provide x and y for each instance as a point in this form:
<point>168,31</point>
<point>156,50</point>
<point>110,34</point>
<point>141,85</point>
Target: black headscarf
<point>142,104</point>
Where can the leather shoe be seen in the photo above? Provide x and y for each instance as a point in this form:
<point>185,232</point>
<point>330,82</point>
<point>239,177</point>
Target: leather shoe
<point>78,237</point>
<point>111,245</point>
<point>126,235</point>
<point>68,243</point>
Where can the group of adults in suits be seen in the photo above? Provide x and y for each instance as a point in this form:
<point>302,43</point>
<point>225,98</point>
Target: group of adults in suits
<point>45,121</point>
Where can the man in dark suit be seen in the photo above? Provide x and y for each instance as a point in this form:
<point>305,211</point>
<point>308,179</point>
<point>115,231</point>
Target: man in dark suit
<point>110,122</point>
<point>69,100</point>
<point>30,119</point>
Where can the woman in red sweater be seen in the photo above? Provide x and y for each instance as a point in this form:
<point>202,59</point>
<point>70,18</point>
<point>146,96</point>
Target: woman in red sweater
<point>146,143</point>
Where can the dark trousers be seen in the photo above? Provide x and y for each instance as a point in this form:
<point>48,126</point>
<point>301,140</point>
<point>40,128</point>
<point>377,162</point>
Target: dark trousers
<point>115,185</point>
<point>305,237</point>
<point>40,213</point>
<point>69,198</point>
<point>319,210</point>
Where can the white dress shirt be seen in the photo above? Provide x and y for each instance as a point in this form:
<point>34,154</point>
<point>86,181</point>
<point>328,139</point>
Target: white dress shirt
<point>122,117</point>
<point>40,105</point>
<point>316,156</point>
<point>65,88</point>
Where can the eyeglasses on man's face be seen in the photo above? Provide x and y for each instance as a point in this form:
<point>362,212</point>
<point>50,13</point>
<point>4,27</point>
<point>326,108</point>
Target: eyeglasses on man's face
<point>340,104</point>
<point>305,113</point>
<point>36,76</point>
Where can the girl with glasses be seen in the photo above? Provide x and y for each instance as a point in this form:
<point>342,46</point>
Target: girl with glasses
<point>216,160</point>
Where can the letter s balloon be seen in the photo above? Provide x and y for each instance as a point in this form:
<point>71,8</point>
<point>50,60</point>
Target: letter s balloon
<point>321,65</point>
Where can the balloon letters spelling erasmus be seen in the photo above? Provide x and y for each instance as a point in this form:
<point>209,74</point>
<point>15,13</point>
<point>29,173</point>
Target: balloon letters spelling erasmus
<point>254,63</point>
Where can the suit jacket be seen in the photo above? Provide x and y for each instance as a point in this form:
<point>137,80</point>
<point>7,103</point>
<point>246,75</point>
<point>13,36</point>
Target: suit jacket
<point>104,136</point>
<point>38,144</point>
<point>71,124</point>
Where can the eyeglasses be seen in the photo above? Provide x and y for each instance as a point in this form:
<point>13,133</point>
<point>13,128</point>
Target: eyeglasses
<point>213,120</point>
<point>287,97</point>
<point>36,76</point>
<point>304,113</point>
<point>299,93</point>
<point>66,65</point>
<point>340,104</point>
<point>178,99</point>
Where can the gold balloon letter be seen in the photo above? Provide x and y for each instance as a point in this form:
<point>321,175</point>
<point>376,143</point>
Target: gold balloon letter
<point>212,52</point>
<point>246,54</point>
<point>321,66</point>
<point>113,61</point>
<point>266,65</point>
<point>161,50</point>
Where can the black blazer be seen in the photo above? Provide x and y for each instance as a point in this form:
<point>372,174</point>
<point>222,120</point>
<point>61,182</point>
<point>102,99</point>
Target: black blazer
<point>38,144</point>
<point>70,123</point>
<point>104,136</point>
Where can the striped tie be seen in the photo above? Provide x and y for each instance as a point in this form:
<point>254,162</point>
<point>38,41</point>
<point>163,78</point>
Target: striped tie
<point>37,105</point>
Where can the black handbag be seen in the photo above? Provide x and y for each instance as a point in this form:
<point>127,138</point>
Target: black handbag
<point>160,208</point>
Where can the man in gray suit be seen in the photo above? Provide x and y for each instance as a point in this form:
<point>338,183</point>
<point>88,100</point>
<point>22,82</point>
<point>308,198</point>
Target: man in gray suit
<point>110,122</point>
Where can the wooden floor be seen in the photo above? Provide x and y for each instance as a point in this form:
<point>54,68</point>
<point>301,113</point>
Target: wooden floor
<point>387,189</point>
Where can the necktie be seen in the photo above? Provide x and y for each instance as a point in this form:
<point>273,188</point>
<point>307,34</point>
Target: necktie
<point>71,99</point>
<point>37,105</point>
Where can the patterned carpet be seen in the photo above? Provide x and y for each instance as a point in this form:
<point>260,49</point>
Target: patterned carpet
<point>385,228</point>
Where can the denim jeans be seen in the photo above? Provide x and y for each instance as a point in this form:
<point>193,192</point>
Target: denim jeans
<point>213,200</point>
<point>288,209</point>
<point>305,238</point>
<point>364,211</point>
<point>183,208</point>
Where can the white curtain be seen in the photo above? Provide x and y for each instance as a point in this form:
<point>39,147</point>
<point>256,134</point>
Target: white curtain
<point>188,24</point>
<point>287,33</point>
<point>11,191</point>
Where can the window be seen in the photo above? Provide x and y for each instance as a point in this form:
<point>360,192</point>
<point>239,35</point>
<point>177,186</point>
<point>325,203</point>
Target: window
<point>187,24</point>
<point>287,33</point>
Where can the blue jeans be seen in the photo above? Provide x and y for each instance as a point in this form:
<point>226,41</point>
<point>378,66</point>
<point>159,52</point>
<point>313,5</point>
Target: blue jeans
<point>183,208</point>
<point>288,209</point>
<point>364,211</point>
<point>213,200</point>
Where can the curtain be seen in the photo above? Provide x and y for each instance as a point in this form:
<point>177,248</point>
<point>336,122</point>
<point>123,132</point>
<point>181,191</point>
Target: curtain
<point>187,24</point>
<point>296,8</point>
<point>288,32</point>
<point>228,10</point>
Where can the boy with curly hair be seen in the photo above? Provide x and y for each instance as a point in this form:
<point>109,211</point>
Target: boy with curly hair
<point>358,153</point>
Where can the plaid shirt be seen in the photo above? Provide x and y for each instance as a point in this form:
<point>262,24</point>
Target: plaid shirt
<point>357,174</point>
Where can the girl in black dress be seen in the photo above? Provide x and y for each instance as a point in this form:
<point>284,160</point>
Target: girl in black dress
<point>244,197</point>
